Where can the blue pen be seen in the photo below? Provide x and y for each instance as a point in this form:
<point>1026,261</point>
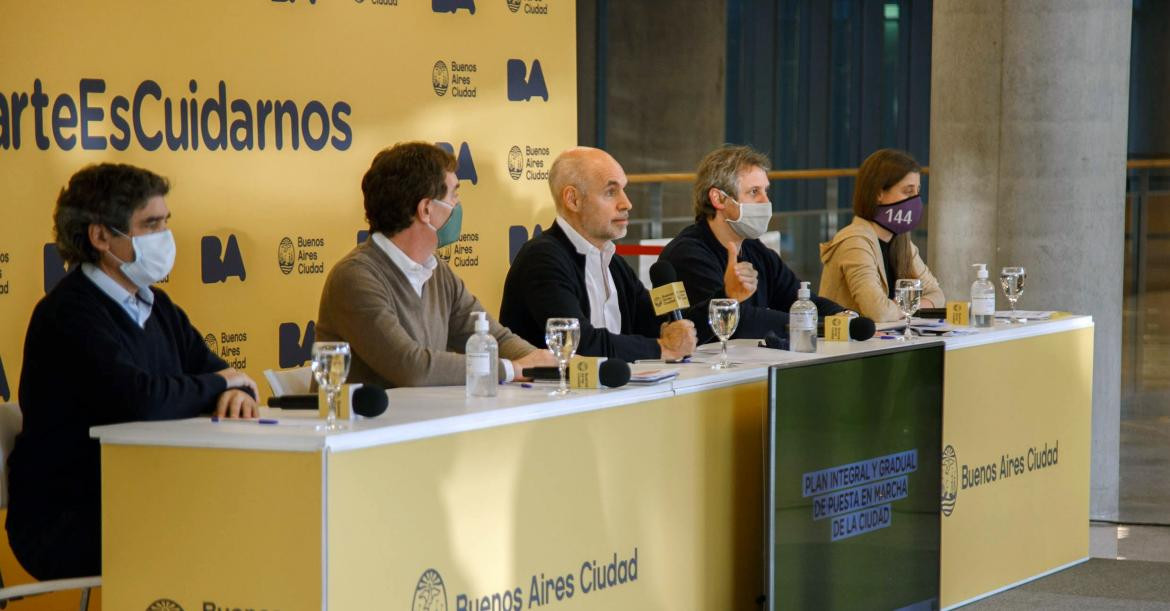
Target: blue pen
<point>258,421</point>
<point>525,385</point>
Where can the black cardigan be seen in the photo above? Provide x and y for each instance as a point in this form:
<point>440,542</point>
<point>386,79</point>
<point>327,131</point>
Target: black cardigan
<point>86,363</point>
<point>700,260</point>
<point>547,280</point>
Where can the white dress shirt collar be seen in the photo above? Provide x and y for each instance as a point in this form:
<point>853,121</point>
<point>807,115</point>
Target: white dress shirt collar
<point>137,305</point>
<point>604,308</point>
<point>417,274</point>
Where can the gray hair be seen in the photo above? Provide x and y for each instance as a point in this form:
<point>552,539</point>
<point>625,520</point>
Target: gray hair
<point>720,169</point>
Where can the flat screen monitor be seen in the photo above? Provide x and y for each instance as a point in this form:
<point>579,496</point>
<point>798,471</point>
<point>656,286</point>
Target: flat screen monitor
<point>853,479</point>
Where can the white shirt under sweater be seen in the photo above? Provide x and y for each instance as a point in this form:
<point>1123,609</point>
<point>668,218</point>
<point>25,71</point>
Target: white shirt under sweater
<point>604,309</point>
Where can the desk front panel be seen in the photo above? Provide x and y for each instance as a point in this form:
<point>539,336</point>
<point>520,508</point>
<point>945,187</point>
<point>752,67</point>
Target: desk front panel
<point>1016,452</point>
<point>198,527</point>
<point>653,505</point>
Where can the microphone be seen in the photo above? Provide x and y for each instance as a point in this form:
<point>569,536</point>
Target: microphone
<point>669,296</point>
<point>368,400</point>
<point>613,373</point>
<point>860,328</point>
<point>293,401</point>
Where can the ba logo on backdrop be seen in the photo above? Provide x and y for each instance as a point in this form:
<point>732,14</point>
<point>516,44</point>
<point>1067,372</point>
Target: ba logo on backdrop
<point>294,349</point>
<point>466,169</point>
<point>525,84</point>
<point>517,236</point>
<point>54,266</point>
<point>5,392</point>
<point>440,78</point>
<point>220,262</point>
<point>950,480</point>
<point>430,594</point>
<point>450,6</point>
<point>166,604</point>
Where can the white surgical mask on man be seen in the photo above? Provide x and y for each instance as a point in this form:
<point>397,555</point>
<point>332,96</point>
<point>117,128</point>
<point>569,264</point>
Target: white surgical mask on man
<point>154,256</point>
<point>753,218</point>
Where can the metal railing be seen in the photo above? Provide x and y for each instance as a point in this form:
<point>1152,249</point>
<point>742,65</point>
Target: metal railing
<point>655,182</point>
<point>1147,187</point>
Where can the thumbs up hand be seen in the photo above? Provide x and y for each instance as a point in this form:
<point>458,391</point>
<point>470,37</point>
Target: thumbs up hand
<point>740,279</point>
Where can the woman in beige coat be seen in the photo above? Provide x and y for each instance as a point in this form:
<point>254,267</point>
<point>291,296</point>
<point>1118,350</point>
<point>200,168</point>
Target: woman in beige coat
<point>863,259</point>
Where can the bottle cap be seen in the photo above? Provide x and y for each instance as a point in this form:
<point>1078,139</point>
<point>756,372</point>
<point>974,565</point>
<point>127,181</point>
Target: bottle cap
<point>982,271</point>
<point>804,291</point>
<point>481,325</point>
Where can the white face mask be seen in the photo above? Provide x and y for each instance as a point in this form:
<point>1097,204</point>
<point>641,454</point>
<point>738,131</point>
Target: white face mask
<point>154,256</point>
<point>753,218</point>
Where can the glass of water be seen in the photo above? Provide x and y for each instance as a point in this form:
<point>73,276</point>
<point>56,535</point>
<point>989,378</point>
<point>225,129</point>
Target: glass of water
<point>330,368</point>
<point>1012,281</point>
<point>723,316</point>
<point>562,335</point>
<point>908,295</point>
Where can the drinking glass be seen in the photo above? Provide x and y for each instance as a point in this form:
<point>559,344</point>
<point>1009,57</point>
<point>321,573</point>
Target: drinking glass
<point>723,316</point>
<point>1012,281</point>
<point>562,335</point>
<point>330,367</point>
<point>908,295</point>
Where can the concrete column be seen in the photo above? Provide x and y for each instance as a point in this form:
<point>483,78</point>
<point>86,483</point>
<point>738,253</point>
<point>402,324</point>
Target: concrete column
<point>1028,127</point>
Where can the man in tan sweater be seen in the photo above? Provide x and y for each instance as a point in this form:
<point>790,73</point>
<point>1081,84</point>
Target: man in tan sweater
<point>405,314</point>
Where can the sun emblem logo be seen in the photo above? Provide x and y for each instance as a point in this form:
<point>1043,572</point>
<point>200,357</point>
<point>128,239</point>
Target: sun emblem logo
<point>430,594</point>
<point>440,78</point>
<point>950,480</point>
<point>286,256</point>
<point>164,604</point>
<point>515,163</point>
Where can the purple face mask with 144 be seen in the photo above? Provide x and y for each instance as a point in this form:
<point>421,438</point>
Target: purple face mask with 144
<point>900,217</point>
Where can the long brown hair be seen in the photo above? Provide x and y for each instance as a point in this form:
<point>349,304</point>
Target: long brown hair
<point>880,171</point>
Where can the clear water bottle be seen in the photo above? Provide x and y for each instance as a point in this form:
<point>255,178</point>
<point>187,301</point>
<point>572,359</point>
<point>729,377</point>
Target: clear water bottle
<point>982,298</point>
<point>802,322</point>
<point>483,363</point>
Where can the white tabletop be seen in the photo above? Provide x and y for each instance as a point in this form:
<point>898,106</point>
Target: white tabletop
<point>419,413</point>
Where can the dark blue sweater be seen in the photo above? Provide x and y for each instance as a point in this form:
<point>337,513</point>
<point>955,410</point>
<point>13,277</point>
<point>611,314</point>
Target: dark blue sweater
<point>86,363</point>
<point>547,280</point>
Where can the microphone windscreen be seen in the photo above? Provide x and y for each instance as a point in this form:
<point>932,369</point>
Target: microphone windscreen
<point>613,373</point>
<point>861,328</point>
<point>370,400</point>
<point>662,273</point>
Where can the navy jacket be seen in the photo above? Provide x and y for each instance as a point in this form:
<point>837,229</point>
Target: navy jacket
<point>547,280</point>
<point>700,260</point>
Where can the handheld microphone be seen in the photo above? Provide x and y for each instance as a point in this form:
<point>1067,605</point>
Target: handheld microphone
<point>293,401</point>
<point>669,296</point>
<point>611,373</point>
<point>860,328</point>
